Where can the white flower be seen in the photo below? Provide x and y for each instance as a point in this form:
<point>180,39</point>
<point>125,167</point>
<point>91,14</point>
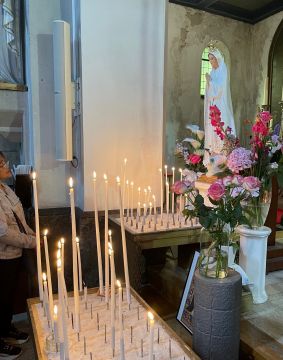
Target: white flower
<point>193,128</point>
<point>189,175</point>
<point>195,143</point>
<point>216,164</point>
<point>276,148</point>
<point>274,165</point>
<point>199,152</point>
<point>200,134</point>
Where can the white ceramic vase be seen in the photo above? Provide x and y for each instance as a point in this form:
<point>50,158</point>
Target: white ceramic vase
<point>252,258</point>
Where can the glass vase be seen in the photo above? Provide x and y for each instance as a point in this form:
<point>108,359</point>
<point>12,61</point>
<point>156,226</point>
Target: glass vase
<point>256,209</point>
<point>213,260</point>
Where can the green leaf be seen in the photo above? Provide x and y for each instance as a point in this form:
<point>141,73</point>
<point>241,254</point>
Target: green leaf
<point>199,200</point>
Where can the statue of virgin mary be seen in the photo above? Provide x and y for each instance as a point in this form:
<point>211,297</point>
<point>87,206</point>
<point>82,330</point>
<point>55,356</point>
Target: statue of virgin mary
<point>217,93</point>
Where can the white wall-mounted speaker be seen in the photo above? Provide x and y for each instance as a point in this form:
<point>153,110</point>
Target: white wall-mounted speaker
<point>62,90</point>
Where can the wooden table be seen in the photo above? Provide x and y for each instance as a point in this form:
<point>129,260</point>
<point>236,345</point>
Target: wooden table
<point>39,347</point>
<point>139,244</point>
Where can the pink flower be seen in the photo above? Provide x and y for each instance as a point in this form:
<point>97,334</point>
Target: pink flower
<point>239,159</point>
<point>194,158</point>
<point>252,184</point>
<point>237,180</point>
<point>216,191</point>
<point>227,180</point>
<point>236,191</point>
<point>179,187</point>
<point>265,116</point>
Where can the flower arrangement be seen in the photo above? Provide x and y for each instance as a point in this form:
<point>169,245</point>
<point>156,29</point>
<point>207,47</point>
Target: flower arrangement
<point>220,219</point>
<point>191,149</point>
<point>244,179</point>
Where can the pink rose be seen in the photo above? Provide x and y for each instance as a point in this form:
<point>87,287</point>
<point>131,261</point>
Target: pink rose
<point>237,180</point>
<point>179,187</point>
<point>194,158</point>
<point>252,184</point>
<point>216,191</point>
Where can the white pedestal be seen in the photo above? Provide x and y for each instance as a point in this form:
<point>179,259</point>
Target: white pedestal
<point>253,248</point>
<point>203,188</point>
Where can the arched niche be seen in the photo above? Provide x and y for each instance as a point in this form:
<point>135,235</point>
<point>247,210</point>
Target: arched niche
<point>275,72</point>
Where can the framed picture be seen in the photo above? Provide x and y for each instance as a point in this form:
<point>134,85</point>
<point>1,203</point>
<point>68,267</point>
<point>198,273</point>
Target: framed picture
<point>186,308</point>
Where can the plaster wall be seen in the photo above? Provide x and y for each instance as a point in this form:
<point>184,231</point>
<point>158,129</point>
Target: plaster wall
<point>122,46</point>
<point>52,174</point>
<point>189,32</point>
<point>262,36</point>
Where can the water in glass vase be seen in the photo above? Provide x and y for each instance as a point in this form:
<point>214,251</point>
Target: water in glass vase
<point>213,261</point>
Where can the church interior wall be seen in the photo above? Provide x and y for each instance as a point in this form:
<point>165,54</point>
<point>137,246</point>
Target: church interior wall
<point>122,95</point>
<point>262,36</point>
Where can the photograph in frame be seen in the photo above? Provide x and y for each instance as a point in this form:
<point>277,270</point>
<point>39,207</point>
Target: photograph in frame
<point>186,308</point>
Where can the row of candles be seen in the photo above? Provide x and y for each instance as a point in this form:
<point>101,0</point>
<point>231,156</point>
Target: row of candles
<point>58,321</point>
<point>109,253</point>
<point>147,193</point>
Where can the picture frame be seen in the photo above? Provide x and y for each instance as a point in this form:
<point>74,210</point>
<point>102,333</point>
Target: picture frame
<point>186,308</point>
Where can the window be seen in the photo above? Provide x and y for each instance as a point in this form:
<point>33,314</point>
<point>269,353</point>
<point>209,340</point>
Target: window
<point>11,44</point>
<point>205,68</point>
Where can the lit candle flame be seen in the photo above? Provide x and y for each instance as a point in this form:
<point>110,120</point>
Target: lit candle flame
<point>55,310</point>
<point>94,175</point>
<point>118,180</point>
<point>118,283</point>
<point>109,232</point>
<point>127,182</point>
<point>139,189</point>
<point>150,204</point>
<point>180,170</point>
<point>77,240</point>
<point>165,167</point>
<point>149,188</point>
<point>125,161</point>
<point>160,169</point>
<point>132,183</point>
<point>71,182</point>
<point>44,276</point>
<point>45,232</point>
<point>105,177</point>
<point>150,315</point>
<point>173,168</point>
<point>62,241</point>
<point>33,175</point>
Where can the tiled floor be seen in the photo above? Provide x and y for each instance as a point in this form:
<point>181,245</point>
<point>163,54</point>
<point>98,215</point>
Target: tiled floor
<point>23,325</point>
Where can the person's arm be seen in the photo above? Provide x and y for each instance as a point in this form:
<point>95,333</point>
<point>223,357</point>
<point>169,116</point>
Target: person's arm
<point>9,236</point>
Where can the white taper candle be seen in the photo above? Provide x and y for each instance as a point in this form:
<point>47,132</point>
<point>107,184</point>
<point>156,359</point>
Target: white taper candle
<point>97,232</point>
<point>37,232</point>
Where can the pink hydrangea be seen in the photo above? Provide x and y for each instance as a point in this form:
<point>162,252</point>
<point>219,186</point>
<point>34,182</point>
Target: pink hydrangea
<point>239,159</point>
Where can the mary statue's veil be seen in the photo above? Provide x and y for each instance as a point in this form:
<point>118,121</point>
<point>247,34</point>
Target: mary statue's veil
<point>218,93</point>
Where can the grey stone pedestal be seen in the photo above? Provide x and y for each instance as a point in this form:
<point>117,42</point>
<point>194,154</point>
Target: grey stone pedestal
<point>216,319</point>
